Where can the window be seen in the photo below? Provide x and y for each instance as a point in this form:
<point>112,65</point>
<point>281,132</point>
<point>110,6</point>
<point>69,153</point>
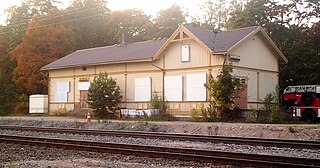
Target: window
<point>62,90</point>
<point>84,68</point>
<point>196,90</point>
<point>173,88</point>
<point>242,81</point>
<point>142,89</point>
<point>185,53</point>
<point>83,85</point>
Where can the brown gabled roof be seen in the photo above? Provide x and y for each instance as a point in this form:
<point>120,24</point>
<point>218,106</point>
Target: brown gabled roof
<point>109,54</point>
<point>220,42</point>
<point>217,43</point>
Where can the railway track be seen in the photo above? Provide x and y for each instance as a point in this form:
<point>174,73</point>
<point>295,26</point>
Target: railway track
<point>315,145</point>
<point>238,159</point>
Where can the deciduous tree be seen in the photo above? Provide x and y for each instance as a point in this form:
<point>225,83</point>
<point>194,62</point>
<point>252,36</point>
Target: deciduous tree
<point>133,22</point>
<point>43,43</point>
<point>8,93</point>
<point>89,20</point>
<point>215,14</point>
<point>168,20</point>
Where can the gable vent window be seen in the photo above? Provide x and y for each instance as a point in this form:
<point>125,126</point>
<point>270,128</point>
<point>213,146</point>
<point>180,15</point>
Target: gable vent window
<point>185,53</point>
<point>234,58</point>
<point>242,81</point>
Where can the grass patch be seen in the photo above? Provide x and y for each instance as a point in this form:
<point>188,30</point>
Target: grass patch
<point>291,130</point>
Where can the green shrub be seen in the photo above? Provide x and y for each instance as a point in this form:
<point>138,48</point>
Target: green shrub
<point>250,116</point>
<point>80,113</point>
<point>196,115</point>
<point>291,130</point>
<point>161,117</point>
<point>157,102</point>
<point>272,110</point>
<point>22,108</point>
<point>262,116</point>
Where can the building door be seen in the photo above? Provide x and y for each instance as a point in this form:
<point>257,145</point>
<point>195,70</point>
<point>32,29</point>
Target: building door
<point>241,99</point>
<point>83,99</point>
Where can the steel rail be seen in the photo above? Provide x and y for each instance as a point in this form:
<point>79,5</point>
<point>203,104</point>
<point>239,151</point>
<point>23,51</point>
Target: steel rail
<point>239,159</point>
<point>175,136</point>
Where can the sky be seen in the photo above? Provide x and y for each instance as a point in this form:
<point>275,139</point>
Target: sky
<point>150,7</point>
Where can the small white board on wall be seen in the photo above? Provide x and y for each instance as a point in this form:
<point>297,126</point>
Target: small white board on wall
<point>196,90</point>
<point>83,85</point>
<point>185,53</point>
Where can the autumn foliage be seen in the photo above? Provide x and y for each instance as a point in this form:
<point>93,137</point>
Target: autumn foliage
<point>40,46</point>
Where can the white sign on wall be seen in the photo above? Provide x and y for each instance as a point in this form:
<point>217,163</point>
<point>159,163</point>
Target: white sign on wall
<point>196,90</point>
<point>142,89</point>
<point>83,85</point>
<point>173,88</point>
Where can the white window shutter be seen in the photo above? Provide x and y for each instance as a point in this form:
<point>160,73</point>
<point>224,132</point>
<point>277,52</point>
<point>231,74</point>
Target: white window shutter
<point>173,88</point>
<point>62,89</point>
<point>142,89</point>
<point>196,90</point>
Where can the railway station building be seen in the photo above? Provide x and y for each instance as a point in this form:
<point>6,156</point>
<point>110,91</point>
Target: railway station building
<point>175,68</point>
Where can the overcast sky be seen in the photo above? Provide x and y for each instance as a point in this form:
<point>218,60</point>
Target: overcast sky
<point>150,7</point>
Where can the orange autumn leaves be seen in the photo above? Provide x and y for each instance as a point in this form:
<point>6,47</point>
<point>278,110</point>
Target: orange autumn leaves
<point>43,43</point>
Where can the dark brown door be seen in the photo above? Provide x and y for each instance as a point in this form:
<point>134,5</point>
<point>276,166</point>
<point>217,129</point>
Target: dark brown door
<point>83,99</point>
<point>241,99</point>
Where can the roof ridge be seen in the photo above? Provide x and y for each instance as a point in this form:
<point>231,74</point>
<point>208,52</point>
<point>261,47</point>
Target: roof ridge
<point>242,28</point>
<point>87,49</point>
<point>114,45</point>
<point>236,29</point>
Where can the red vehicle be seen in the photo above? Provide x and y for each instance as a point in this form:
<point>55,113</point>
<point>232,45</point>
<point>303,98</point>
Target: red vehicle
<point>303,101</point>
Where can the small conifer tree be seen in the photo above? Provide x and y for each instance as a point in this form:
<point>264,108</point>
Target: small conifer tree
<point>222,91</point>
<point>104,95</point>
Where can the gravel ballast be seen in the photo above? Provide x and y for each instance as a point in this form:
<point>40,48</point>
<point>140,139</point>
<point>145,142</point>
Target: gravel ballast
<point>289,152</point>
<point>22,156</point>
<point>56,158</point>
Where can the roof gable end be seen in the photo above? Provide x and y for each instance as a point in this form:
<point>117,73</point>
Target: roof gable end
<point>214,42</point>
<point>268,42</point>
<point>181,33</point>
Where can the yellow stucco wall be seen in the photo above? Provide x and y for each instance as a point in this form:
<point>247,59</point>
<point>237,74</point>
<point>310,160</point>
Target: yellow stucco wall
<point>259,67</point>
<point>255,54</point>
